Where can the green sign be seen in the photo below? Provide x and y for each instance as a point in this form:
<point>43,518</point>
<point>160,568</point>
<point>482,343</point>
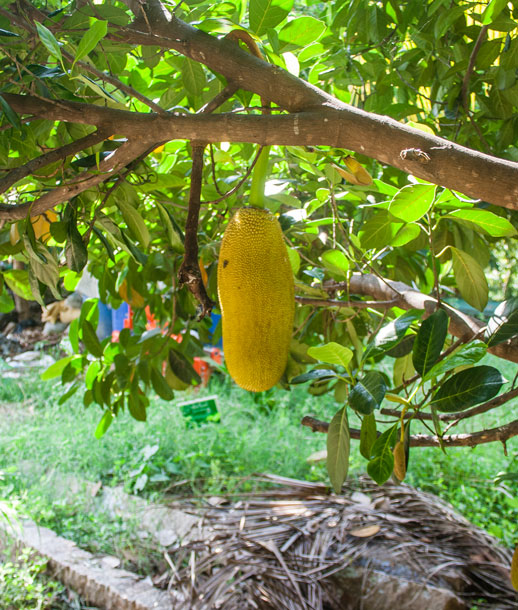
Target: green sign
<point>200,409</point>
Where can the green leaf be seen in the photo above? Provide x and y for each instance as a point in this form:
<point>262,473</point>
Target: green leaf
<point>136,406</point>
<point>182,368</point>
<point>413,201</point>
<point>18,282</point>
<point>301,32</point>
<point>6,302</point>
<point>465,355</point>
<point>89,41</point>
<point>338,448</point>
<point>492,10</point>
<point>49,41</point>
<point>294,257</point>
<point>503,325</point>
<point>368,435</point>
<point>430,341</point>
<point>406,234</point>
<point>336,262</point>
<point>470,279</point>
<point>73,335</point>
<point>56,369</point>
<point>193,76</point>
<point>468,388</point>
<point>173,237</point>
<point>10,114</point>
<point>104,424</point>
<point>493,225</point>
<point>379,230</point>
<point>393,333</point>
<point>332,353</point>
<point>368,393</point>
<point>76,253</point>
<point>135,222</point>
<point>381,466</point>
<point>90,339</point>
<point>266,14</point>
<point>160,385</point>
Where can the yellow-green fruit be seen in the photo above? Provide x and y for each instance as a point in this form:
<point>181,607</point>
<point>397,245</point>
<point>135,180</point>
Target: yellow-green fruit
<point>256,295</point>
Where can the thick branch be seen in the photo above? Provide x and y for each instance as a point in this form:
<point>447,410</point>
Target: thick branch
<point>461,325</point>
<point>52,156</point>
<point>457,167</point>
<point>502,434</point>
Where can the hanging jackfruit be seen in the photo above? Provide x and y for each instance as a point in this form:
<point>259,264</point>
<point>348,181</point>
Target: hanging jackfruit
<point>256,295</point>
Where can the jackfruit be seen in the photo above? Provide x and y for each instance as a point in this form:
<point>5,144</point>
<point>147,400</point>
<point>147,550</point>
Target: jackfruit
<point>256,295</point>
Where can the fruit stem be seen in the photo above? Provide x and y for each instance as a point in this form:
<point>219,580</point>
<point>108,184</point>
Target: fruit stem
<point>259,174</point>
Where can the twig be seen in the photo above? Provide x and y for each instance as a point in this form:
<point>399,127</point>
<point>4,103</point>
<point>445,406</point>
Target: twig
<point>344,304</point>
<point>108,168</point>
<point>502,434</point>
<point>471,67</point>
<point>235,188</point>
<point>52,156</point>
<point>189,272</point>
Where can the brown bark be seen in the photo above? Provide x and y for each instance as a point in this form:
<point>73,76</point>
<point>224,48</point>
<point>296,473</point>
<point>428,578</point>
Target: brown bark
<point>502,434</point>
<point>473,173</point>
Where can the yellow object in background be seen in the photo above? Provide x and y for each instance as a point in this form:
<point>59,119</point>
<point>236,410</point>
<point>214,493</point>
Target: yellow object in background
<point>40,224</point>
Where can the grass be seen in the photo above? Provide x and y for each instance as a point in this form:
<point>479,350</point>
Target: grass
<point>165,456</point>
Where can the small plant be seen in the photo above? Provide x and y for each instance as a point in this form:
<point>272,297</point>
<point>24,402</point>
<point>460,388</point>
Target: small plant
<point>23,584</point>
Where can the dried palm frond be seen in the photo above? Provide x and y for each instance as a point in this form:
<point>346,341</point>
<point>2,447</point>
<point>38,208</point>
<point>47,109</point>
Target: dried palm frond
<point>298,547</point>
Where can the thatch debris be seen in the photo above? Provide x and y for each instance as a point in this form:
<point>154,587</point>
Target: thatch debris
<point>300,548</point>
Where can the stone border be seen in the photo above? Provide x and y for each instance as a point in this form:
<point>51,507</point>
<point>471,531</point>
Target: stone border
<point>94,578</point>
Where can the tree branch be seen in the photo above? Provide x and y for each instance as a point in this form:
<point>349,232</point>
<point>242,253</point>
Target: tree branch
<point>346,304</point>
<point>457,417</point>
<point>502,434</point>
<point>18,173</point>
<point>461,325</point>
<point>107,169</point>
<point>189,272</point>
<point>471,172</point>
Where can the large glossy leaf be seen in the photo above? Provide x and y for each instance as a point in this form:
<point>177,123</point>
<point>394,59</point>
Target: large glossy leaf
<point>493,225</point>
<point>430,341</point>
<point>470,278</point>
<point>332,353</point>
<point>468,388</point>
<point>412,202</point>
<point>368,393</point>
<point>338,447</point>
<point>503,325</point>
<point>265,14</point>
<point>492,10</point>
